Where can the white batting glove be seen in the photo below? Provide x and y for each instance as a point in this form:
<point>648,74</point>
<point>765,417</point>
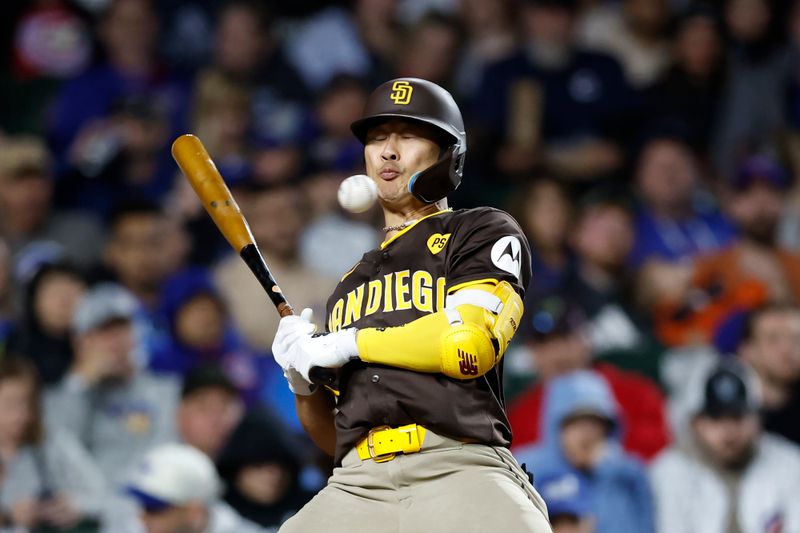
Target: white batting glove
<point>290,329</point>
<point>326,350</point>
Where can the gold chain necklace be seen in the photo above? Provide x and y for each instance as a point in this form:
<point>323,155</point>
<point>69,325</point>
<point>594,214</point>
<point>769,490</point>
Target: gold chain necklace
<point>398,227</point>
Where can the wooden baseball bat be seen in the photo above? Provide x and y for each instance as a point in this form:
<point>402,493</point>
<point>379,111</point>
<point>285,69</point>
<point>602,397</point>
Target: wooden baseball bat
<point>199,169</point>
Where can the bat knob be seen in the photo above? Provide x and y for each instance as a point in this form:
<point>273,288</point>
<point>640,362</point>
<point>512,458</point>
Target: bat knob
<point>322,376</point>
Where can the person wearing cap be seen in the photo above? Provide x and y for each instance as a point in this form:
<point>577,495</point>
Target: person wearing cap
<point>117,409</point>
<point>26,211</point>
<point>724,473</point>
<point>413,344</point>
<point>581,433</point>
<point>567,497</point>
<point>177,490</point>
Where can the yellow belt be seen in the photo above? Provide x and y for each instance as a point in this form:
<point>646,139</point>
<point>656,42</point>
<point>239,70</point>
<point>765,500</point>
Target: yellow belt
<point>383,443</point>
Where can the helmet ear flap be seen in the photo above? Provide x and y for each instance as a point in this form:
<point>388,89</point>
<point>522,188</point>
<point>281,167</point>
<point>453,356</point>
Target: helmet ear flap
<point>440,179</point>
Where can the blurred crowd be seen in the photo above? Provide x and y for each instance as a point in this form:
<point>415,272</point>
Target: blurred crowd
<point>649,149</point>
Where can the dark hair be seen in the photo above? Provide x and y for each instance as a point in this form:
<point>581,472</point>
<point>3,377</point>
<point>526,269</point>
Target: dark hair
<point>258,12</point>
<point>749,327</point>
<point>15,368</point>
<point>133,207</point>
<point>518,203</point>
<point>605,196</point>
<point>45,272</point>
<point>207,377</point>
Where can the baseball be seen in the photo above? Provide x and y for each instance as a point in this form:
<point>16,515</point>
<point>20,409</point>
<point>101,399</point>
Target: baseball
<point>357,193</point>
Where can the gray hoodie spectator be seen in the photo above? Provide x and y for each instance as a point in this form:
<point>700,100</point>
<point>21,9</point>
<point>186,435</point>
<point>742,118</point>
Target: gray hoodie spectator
<point>117,410</point>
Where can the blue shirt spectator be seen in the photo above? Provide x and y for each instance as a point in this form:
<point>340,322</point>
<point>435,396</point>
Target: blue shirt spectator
<point>201,333</point>
<point>581,434</point>
<point>113,122</point>
<point>673,222</point>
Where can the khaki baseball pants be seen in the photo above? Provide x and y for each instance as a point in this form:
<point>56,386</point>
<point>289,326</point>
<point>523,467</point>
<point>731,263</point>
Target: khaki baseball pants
<point>447,486</point>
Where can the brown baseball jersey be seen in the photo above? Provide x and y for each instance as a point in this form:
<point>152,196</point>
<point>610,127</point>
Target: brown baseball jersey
<point>406,278</point>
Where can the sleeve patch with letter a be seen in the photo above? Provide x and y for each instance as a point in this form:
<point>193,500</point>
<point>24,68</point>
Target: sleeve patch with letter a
<point>507,254</point>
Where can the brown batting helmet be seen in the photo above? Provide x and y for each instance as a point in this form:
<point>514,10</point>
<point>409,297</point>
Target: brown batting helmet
<point>421,101</point>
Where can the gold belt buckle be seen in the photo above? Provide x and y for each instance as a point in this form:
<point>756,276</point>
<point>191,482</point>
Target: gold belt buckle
<point>371,446</point>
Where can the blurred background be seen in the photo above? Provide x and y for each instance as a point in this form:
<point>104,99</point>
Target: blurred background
<point>648,148</point>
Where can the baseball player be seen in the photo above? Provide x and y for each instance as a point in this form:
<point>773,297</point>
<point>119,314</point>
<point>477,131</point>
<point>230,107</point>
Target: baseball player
<point>417,329</point>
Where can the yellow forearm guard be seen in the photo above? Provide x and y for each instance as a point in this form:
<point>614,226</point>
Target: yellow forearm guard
<point>458,342</point>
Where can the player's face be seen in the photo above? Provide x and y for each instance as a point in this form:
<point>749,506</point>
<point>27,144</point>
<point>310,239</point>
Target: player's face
<point>394,151</point>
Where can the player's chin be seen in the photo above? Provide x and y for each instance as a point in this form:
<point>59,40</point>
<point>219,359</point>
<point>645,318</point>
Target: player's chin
<point>392,191</point>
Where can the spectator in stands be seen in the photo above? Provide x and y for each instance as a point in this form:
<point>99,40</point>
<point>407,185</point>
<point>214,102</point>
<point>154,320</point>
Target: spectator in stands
<point>754,101</point>
<point>756,202</point>
<point>581,434</point>
<point>121,111</point>
<point>115,408</point>
<point>546,216</point>
<point>490,37</point>
<point>139,254</point>
<point>567,497</point>
<point>725,474</point>
<point>588,100</point>
<point>632,32</point>
<point>673,222</point>
<point>332,146</point>
<point>200,332</point>
<point>26,210</point>
<point>331,232</point>
<point>598,282</point>
<point>221,117</point>
<point>361,41</point>
<point>178,491</point>
<point>248,52</point>
<point>691,89</point>
<point>771,347</point>
<point>276,217</point>
<point>559,336</point>
<point>751,270</point>
<point>261,468</point>
<point>431,49</point>
<point>209,410</point>
<point>47,44</point>
<point>48,481</point>
<point>43,333</point>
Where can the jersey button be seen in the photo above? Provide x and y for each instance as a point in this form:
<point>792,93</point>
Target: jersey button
<point>385,256</point>
<point>375,378</point>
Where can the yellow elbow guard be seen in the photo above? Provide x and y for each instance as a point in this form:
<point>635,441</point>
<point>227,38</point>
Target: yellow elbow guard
<point>467,347</point>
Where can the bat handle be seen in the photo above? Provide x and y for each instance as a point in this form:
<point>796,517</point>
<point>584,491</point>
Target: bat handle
<point>253,258</point>
<point>322,376</point>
